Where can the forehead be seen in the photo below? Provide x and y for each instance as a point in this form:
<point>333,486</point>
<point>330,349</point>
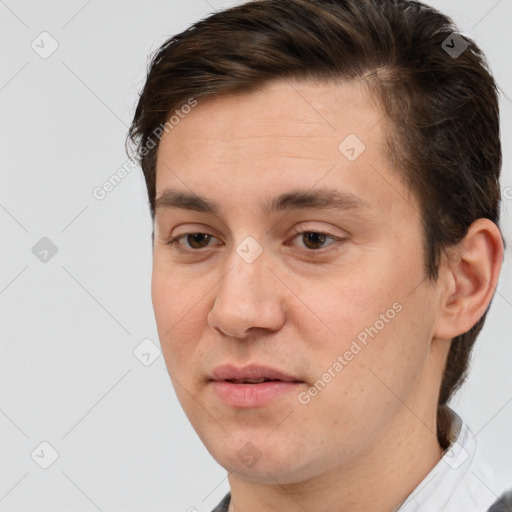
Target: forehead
<point>289,110</point>
<point>286,135</point>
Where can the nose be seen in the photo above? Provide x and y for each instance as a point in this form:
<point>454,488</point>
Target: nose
<point>249,297</point>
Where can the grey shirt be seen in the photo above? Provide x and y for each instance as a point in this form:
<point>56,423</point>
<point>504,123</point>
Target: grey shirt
<point>503,504</point>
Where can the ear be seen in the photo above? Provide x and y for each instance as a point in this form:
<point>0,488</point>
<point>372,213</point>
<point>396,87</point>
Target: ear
<point>470,274</point>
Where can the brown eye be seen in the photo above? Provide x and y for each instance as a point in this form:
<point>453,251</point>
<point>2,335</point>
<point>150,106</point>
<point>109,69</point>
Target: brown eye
<point>313,240</point>
<point>191,241</point>
<point>198,240</point>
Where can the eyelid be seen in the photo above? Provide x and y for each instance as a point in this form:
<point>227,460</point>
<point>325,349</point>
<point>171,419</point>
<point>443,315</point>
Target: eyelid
<point>301,230</point>
<point>177,238</point>
<point>333,232</point>
<point>194,229</point>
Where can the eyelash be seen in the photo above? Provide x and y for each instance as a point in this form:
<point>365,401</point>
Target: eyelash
<point>174,240</point>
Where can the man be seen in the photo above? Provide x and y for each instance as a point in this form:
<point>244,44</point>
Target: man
<point>323,178</point>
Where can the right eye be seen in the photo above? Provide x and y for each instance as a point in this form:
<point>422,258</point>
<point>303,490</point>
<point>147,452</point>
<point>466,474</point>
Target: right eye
<point>193,241</point>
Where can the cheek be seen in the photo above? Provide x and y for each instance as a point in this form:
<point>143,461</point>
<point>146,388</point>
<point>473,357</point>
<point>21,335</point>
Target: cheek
<point>347,306</point>
<point>375,322</point>
<point>174,294</point>
<point>180,316</point>
<point>372,379</point>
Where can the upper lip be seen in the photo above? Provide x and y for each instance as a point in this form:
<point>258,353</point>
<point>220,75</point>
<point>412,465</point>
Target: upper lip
<point>252,371</point>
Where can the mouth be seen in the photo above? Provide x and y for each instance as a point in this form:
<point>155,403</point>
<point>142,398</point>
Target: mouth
<point>250,374</point>
<point>251,386</point>
<point>253,381</point>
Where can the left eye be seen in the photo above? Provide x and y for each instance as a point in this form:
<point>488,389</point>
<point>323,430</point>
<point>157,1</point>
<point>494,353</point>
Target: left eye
<point>315,240</point>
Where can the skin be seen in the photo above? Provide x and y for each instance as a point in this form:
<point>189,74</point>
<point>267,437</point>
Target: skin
<point>368,438</point>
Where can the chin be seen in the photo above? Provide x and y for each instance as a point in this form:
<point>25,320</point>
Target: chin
<point>266,465</point>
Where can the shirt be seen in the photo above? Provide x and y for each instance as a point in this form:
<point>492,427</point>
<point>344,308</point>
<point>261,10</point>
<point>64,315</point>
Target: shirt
<point>462,480</point>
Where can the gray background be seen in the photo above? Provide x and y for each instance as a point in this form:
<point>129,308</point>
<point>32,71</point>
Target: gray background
<point>69,325</point>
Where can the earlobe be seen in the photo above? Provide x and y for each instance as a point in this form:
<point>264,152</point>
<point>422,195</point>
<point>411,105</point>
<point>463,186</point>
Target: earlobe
<point>472,270</point>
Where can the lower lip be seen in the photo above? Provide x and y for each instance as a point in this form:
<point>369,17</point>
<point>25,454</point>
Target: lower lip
<point>252,395</point>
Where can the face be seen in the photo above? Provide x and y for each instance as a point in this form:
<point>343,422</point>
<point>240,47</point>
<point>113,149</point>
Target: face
<point>296,255</point>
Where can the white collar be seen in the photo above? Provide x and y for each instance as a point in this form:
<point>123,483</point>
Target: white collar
<point>461,480</point>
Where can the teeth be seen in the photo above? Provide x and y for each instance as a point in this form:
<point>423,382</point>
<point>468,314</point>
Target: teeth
<point>249,381</point>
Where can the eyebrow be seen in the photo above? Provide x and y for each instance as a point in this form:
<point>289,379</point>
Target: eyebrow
<point>318,199</point>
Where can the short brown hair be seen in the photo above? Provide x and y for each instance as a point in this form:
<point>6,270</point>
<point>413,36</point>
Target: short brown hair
<point>442,109</point>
